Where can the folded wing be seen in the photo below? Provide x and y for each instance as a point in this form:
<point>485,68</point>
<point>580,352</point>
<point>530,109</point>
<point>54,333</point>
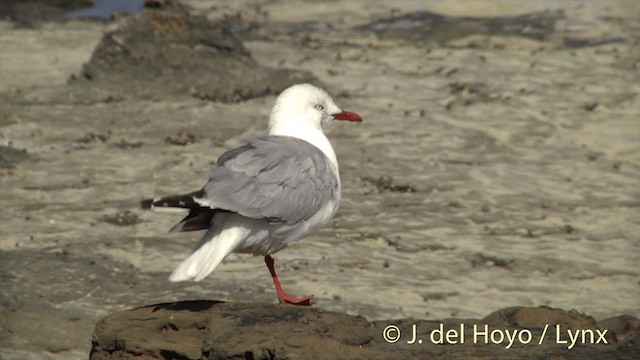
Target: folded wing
<point>278,178</point>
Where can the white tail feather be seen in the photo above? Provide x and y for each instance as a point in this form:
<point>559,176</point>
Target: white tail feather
<point>215,245</point>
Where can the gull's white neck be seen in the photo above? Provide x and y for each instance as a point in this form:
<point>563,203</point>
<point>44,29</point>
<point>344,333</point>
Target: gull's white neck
<point>310,134</point>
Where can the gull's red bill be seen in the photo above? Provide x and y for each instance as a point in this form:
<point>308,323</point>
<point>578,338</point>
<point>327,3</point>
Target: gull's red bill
<point>347,116</point>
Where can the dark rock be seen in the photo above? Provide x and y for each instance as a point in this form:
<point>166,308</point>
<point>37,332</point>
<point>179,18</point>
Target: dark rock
<point>480,260</point>
<point>252,30</point>
<point>28,12</point>
<point>429,26</point>
<point>539,317</point>
<point>386,183</point>
<point>10,156</point>
<point>621,326</point>
<point>304,26</point>
<point>576,42</point>
<point>126,218</point>
<point>182,138</point>
<point>168,52</point>
<point>217,330</point>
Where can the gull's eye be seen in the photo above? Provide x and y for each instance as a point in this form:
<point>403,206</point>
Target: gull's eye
<point>319,107</point>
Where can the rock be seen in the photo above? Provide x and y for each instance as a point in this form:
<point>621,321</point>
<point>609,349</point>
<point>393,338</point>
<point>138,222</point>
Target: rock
<point>30,12</point>
<point>10,156</point>
<point>429,26</point>
<point>166,51</point>
<point>539,317</point>
<point>621,326</point>
<point>576,42</point>
<point>217,330</point>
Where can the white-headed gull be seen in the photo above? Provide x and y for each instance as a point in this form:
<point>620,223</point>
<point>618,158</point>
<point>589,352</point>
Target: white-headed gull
<point>269,193</point>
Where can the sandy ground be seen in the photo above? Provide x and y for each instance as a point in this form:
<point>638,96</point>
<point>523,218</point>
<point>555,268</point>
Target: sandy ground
<point>514,162</point>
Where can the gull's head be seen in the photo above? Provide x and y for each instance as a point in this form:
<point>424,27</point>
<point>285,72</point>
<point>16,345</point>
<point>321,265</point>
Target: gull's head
<point>304,106</point>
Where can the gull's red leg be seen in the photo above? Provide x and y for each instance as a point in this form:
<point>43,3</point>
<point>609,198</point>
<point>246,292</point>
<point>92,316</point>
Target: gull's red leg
<point>306,301</point>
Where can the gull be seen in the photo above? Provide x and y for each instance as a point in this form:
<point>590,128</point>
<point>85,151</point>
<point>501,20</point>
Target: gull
<point>270,192</point>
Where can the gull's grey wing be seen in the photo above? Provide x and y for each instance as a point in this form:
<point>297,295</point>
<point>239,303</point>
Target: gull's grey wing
<point>280,178</point>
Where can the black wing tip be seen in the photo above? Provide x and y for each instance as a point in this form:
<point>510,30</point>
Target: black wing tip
<point>146,204</point>
<point>185,201</point>
<point>198,219</point>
